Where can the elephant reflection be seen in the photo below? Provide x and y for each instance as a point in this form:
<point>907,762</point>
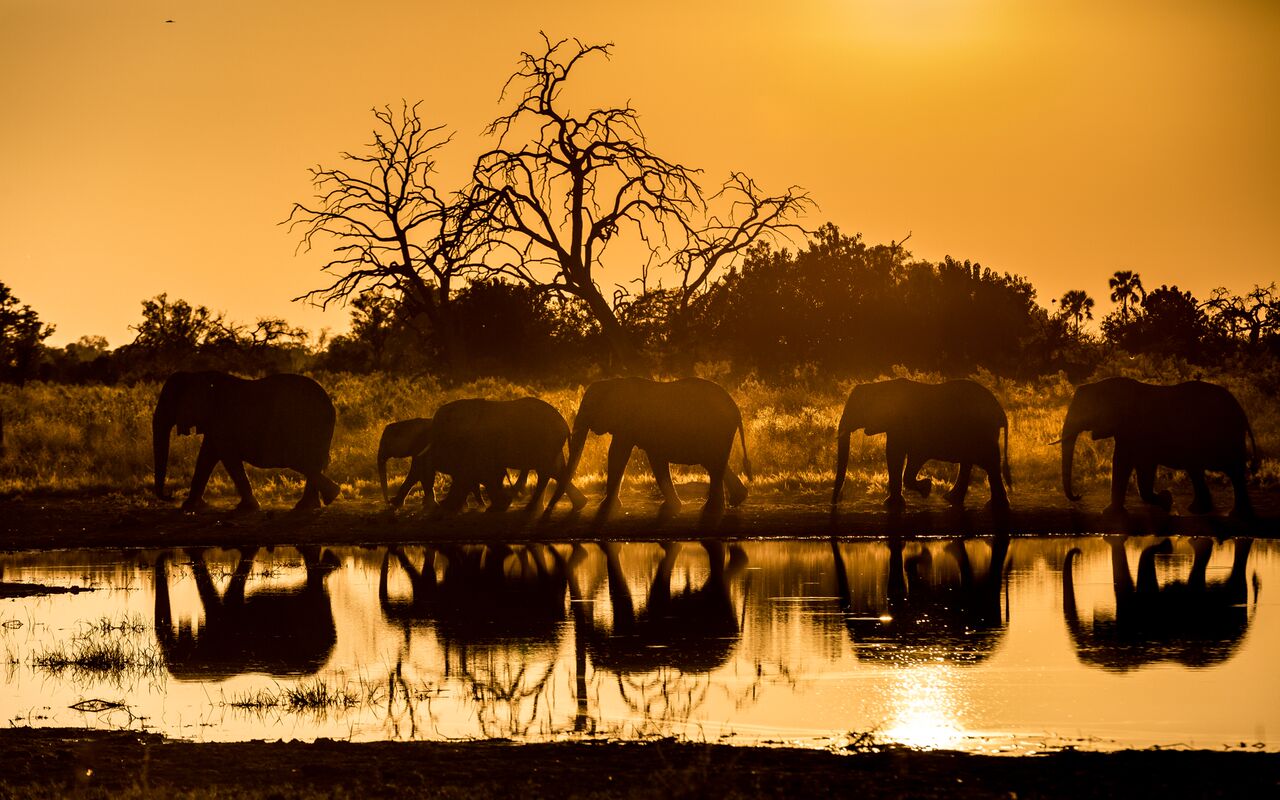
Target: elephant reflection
<point>659,653</point>
<point>920,620</point>
<point>1194,623</point>
<point>279,632</point>
<point>498,614</point>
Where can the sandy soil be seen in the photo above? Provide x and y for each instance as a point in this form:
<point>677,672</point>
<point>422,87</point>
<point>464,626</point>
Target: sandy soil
<point>62,761</point>
<point>38,522</point>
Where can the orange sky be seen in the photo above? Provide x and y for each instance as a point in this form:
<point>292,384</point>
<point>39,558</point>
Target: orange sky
<point>1059,139</point>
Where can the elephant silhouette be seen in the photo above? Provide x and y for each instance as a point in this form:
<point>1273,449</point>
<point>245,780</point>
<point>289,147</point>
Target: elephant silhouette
<point>498,612</point>
<point>1193,426</point>
<point>475,441</point>
<point>279,632</point>
<point>957,421</point>
<point>687,421</point>
<point>407,438</point>
<point>276,421</point>
<point>1195,622</point>
<point>920,621</point>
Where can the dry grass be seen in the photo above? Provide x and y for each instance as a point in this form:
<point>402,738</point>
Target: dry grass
<point>95,438</point>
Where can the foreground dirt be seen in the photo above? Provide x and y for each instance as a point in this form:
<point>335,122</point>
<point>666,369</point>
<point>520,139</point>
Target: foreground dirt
<point>60,762</point>
<point>41,522</point>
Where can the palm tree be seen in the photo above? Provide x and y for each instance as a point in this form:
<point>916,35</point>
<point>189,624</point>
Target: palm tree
<point>1126,289</point>
<point>1077,306</point>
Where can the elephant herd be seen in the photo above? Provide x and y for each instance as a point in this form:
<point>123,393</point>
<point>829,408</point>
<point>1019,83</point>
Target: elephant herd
<point>288,421</point>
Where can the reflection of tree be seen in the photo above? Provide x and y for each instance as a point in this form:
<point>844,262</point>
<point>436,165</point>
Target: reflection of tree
<point>275,631</point>
<point>1194,623</point>
<point>662,655</point>
<point>921,620</point>
<point>497,613</point>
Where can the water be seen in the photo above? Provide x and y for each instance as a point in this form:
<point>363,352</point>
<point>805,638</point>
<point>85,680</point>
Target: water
<point>795,642</point>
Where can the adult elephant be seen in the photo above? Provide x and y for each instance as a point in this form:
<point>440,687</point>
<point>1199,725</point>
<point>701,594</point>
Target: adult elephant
<point>1196,623</point>
<point>277,421</point>
<point>1193,426</point>
<point>279,632</point>
<point>958,421</point>
<point>687,421</point>
<point>475,440</point>
<point>406,439</point>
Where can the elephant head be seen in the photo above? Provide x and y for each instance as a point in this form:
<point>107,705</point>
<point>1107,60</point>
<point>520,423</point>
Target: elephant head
<point>872,407</point>
<point>186,401</point>
<point>1101,408</point>
<point>605,408</point>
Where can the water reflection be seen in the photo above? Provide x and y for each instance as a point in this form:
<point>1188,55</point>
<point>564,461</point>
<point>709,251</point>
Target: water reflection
<point>276,631</point>
<point>1191,621</point>
<point>968,643</point>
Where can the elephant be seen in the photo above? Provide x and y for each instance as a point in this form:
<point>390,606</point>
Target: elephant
<point>687,421</point>
<point>922,620</point>
<point>1191,426</point>
<point>407,438</point>
<point>288,632</point>
<point>957,421</point>
<point>1194,623</point>
<point>276,421</point>
<point>475,440</point>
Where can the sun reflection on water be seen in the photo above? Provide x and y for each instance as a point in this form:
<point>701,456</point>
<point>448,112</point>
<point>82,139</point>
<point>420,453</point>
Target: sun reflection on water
<point>926,706</point>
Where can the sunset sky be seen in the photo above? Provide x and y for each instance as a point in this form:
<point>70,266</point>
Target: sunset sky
<point>1061,140</point>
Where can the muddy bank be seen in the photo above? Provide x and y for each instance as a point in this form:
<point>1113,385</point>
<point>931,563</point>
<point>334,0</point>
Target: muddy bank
<point>37,522</point>
<point>56,762</point>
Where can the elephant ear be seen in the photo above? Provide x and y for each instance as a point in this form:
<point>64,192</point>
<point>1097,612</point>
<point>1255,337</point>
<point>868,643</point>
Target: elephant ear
<point>881,407</point>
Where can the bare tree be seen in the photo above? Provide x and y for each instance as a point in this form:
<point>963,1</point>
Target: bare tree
<point>389,226</point>
<point>1251,317</point>
<point>560,186</point>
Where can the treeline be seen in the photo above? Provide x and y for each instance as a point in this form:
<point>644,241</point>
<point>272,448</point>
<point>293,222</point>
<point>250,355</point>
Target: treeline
<point>837,306</point>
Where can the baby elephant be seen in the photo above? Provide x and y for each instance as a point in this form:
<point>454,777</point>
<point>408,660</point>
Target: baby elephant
<point>475,441</point>
<point>958,421</point>
<point>407,438</point>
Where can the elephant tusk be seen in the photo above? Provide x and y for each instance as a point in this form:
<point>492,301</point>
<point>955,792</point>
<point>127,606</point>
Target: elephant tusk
<point>1055,442</point>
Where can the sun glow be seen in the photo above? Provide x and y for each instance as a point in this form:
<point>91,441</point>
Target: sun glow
<point>927,706</point>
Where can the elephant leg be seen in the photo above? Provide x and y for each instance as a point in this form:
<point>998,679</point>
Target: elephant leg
<point>1121,468</point>
<point>958,492</point>
<point>540,488</point>
<point>1202,503</point>
<point>991,465</point>
<point>895,457</point>
<point>1146,474</point>
<point>235,469</point>
<point>206,460</point>
<point>734,486</point>
<point>456,498</point>
<point>329,489</point>
<point>1243,508</point>
<point>1147,583</point>
<point>913,481</point>
<point>662,476</point>
<point>576,497</point>
<point>499,499</point>
<point>715,494</point>
<point>619,455</point>
<point>518,488</point>
<point>310,497</point>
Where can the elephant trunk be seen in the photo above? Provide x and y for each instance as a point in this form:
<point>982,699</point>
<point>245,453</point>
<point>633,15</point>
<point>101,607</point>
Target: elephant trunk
<point>1071,429</point>
<point>577,442</point>
<point>382,474</point>
<point>842,462</point>
<point>161,423</point>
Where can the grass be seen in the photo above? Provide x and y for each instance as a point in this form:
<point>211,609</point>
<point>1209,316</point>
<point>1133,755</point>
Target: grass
<point>315,697</point>
<point>98,438</point>
<point>111,657</point>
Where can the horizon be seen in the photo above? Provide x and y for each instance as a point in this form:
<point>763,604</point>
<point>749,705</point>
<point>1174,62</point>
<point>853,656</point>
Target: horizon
<point>1060,143</point>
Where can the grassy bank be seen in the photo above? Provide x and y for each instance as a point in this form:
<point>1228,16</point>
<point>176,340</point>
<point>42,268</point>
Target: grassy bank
<point>62,438</point>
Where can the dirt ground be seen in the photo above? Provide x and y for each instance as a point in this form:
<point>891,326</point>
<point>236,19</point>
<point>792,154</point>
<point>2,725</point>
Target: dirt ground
<point>54,763</point>
<point>136,519</point>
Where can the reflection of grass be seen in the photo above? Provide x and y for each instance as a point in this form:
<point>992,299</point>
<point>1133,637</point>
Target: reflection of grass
<point>103,656</point>
<point>315,696</point>
<point>84,437</point>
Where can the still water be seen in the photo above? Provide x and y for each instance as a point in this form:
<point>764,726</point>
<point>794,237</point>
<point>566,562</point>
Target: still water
<point>1094,643</point>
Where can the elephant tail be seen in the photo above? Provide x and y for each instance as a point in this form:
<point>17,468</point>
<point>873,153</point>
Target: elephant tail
<point>746,462</point>
<point>1255,462</point>
<point>1008,478</point>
